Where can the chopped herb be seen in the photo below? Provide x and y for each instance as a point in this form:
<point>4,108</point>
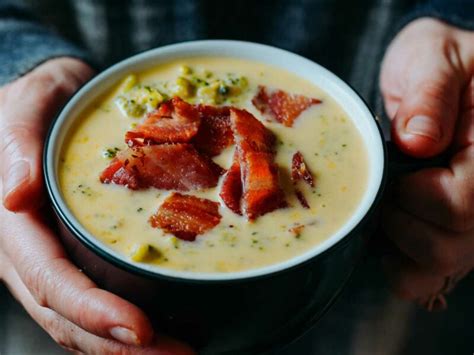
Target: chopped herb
<point>139,209</point>
<point>344,145</point>
<point>110,152</point>
<point>254,241</point>
<point>223,90</point>
<point>254,233</point>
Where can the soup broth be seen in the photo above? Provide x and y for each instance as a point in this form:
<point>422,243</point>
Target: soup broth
<point>324,134</point>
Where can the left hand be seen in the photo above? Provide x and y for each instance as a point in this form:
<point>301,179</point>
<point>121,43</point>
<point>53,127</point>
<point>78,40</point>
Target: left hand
<point>428,87</point>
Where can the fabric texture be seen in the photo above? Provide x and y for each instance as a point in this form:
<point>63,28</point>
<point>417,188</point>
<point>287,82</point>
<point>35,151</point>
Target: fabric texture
<point>25,43</point>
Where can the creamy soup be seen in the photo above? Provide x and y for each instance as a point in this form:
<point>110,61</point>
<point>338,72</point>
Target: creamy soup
<point>325,135</point>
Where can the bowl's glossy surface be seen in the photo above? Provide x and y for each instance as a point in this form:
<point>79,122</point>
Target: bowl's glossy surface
<point>243,312</point>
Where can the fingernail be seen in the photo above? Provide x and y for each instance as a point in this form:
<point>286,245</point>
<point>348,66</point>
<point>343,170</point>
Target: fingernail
<point>124,335</point>
<point>424,126</point>
<point>18,173</point>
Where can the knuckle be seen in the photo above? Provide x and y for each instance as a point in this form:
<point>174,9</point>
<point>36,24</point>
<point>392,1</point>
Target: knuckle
<point>457,204</point>
<point>460,208</point>
<point>436,90</point>
<point>52,84</point>
<point>60,331</point>
<point>12,137</point>
<point>35,278</point>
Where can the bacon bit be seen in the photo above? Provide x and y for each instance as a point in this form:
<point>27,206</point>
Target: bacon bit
<point>302,199</point>
<point>117,174</point>
<point>186,216</point>
<point>231,192</point>
<point>215,133</point>
<point>299,170</point>
<point>282,106</point>
<point>167,166</point>
<point>261,190</point>
<point>175,121</point>
<point>297,230</point>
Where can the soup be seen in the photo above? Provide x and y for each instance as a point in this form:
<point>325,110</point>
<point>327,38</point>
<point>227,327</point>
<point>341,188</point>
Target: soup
<point>315,153</point>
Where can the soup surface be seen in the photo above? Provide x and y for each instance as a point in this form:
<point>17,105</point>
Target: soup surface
<point>324,134</point>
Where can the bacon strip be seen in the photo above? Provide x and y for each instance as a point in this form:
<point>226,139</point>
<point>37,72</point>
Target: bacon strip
<point>175,121</point>
<point>186,216</point>
<point>282,106</point>
<point>261,190</point>
<point>299,170</point>
<point>231,192</point>
<point>215,133</point>
<point>301,198</point>
<point>167,166</point>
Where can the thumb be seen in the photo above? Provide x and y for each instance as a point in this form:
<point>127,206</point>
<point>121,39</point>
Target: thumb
<point>26,107</point>
<point>425,120</point>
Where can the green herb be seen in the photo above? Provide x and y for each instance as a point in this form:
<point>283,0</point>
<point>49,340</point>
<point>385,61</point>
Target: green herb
<point>110,152</point>
<point>223,90</point>
<point>139,209</point>
<point>254,233</point>
<point>344,145</point>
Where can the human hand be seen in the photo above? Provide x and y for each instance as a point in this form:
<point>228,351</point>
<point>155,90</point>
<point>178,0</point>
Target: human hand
<point>34,266</point>
<point>428,88</point>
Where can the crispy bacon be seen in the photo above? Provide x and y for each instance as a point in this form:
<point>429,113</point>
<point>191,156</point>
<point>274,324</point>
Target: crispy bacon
<point>215,133</point>
<point>166,166</point>
<point>231,192</point>
<point>186,216</point>
<point>282,106</point>
<point>117,174</point>
<point>301,198</point>
<point>260,185</point>
<point>299,170</point>
<point>175,121</point>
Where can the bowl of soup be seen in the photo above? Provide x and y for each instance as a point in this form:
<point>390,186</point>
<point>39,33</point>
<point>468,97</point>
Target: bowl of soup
<point>225,187</point>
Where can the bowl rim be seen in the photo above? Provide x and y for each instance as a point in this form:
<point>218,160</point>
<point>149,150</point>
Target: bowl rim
<point>155,272</point>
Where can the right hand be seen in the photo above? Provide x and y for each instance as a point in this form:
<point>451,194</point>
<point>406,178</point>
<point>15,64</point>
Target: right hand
<point>33,264</point>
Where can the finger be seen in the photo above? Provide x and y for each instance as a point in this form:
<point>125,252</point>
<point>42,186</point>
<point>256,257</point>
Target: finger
<point>26,107</point>
<point>444,197</point>
<point>409,281</point>
<point>426,116</point>
<point>433,248</point>
<point>57,284</point>
<point>73,338</point>
<point>465,129</point>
